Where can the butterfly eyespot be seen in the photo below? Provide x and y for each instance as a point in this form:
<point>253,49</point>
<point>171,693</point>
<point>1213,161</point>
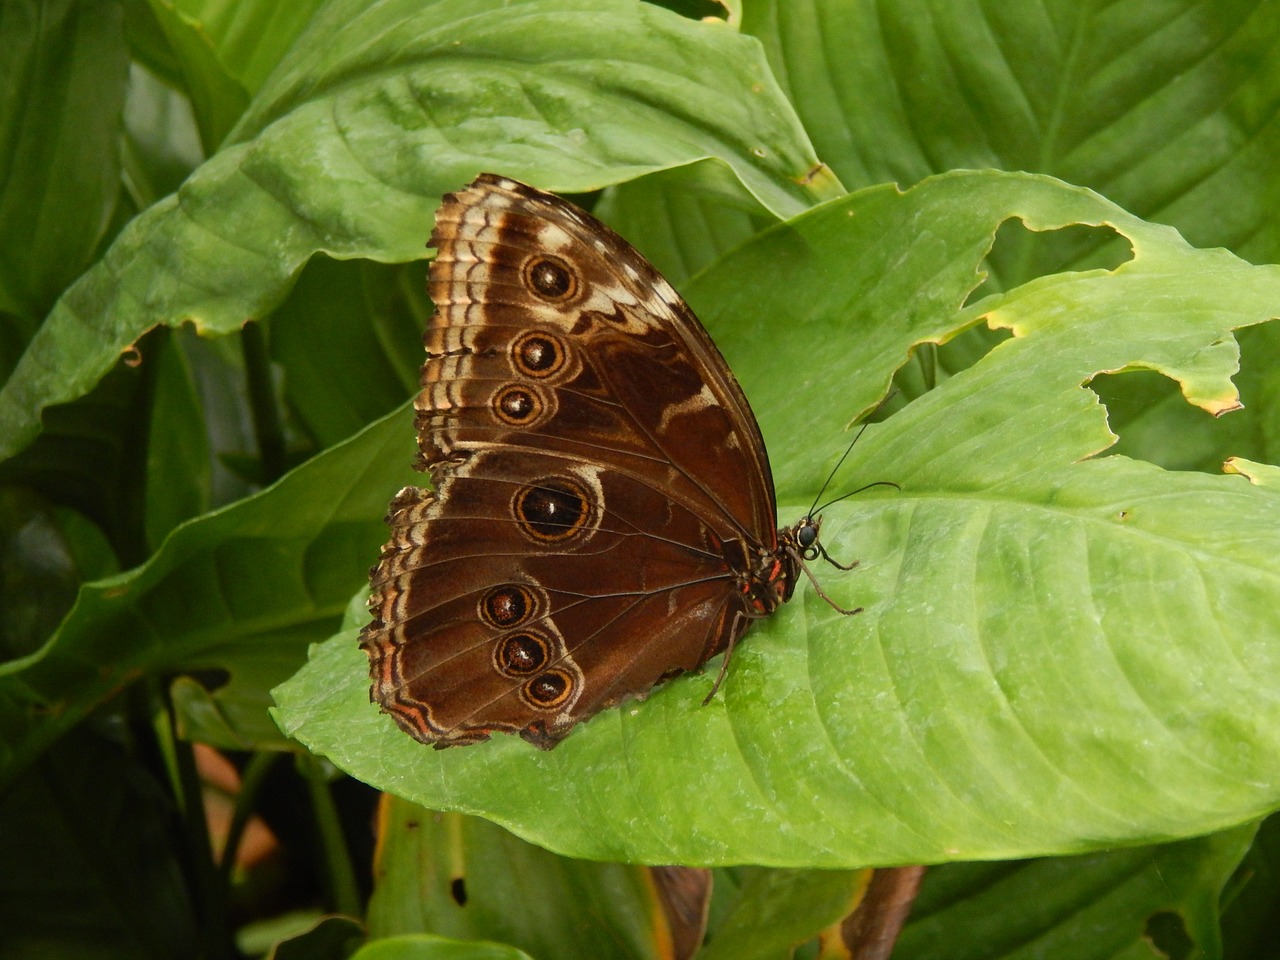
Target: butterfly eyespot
<point>548,690</point>
<point>551,510</point>
<point>508,606</point>
<point>537,355</point>
<point>550,278</point>
<point>522,654</point>
<point>517,406</point>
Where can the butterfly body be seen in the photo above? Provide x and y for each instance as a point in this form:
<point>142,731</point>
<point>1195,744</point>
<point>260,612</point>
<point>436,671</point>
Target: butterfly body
<point>604,514</point>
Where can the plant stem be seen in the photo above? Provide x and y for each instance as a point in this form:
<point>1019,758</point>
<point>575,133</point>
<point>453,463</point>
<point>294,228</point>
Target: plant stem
<point>255,772</point>
<point>262,402</point>
<point>208,892</point>
<point>344,892</point>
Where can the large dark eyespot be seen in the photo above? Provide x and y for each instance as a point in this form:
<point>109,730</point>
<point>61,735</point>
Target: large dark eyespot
<point>548,690</point>
<point>507,606</point>
<point>552,510</point>
<point>517,405</point>
<point>537,355</point>
<point>550,278</point>
<point>522,654</point>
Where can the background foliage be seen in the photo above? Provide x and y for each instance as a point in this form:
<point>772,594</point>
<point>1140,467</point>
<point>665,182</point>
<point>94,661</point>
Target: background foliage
<point>212,223</point>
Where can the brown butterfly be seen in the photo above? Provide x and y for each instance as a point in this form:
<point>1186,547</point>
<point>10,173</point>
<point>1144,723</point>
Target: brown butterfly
<point>604,513</point>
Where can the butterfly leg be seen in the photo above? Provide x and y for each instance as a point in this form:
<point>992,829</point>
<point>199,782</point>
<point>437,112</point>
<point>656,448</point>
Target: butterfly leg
<point>831,560</point>
<point>822,593</point>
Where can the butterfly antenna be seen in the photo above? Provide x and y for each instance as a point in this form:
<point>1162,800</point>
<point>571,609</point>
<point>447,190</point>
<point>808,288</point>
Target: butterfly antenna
<point>854,493</point>
<point>845,456</point>
<point>836,469</point>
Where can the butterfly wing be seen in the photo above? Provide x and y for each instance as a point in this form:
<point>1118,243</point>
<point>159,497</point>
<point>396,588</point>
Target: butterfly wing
<point>601,483</point>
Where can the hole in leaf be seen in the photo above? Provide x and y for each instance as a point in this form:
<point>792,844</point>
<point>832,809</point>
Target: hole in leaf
<point>1154,423</point>
<point>1019,254</point>
<point>458,890</point>
<point>931,365</point>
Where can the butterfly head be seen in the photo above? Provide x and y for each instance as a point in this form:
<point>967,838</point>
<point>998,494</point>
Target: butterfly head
<point>800,545</point>
<point>806,537</point>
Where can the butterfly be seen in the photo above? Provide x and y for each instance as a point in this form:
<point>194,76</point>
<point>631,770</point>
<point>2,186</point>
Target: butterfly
<point>603,515</point>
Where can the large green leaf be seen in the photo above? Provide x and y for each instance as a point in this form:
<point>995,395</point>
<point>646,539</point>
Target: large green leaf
<point>429,947</point>
<point>1170,109</point>
<point>461,876</point>
<point>88,865</point>
<point>1145,902</point>
<point>774,911</point>
<point>235,595</point>
<point>378,111</point>
<point>250,36</point>
<point>63,65</point>
<point>217,99</point>
<point>1054,647</point>
<point>1167,108</point>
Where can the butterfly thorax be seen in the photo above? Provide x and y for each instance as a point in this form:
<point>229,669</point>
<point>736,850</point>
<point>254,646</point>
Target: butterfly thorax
<point>769,576</point>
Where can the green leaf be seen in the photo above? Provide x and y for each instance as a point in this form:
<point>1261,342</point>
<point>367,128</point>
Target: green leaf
<point>774,911</point>
<point>240,592</point>
<point>677,222</point>
<point>1250,901</point>
<point>1171,111</point>
<point>92,455</point>
<point>88,866</point>
<point>301,936</point>
<point>161,145</point>
<point>217,100</point>
<point>349,339</point>
<point>349,147</point>
<point>462,877</point>
<point>1154,423</point>
<point>1143,902</point>
<point>426,947</point>
<point>63,66</point>
<point>46,552</point>
<point>250,36</point>
<point>177,448</point>
<point>1054,647</point>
